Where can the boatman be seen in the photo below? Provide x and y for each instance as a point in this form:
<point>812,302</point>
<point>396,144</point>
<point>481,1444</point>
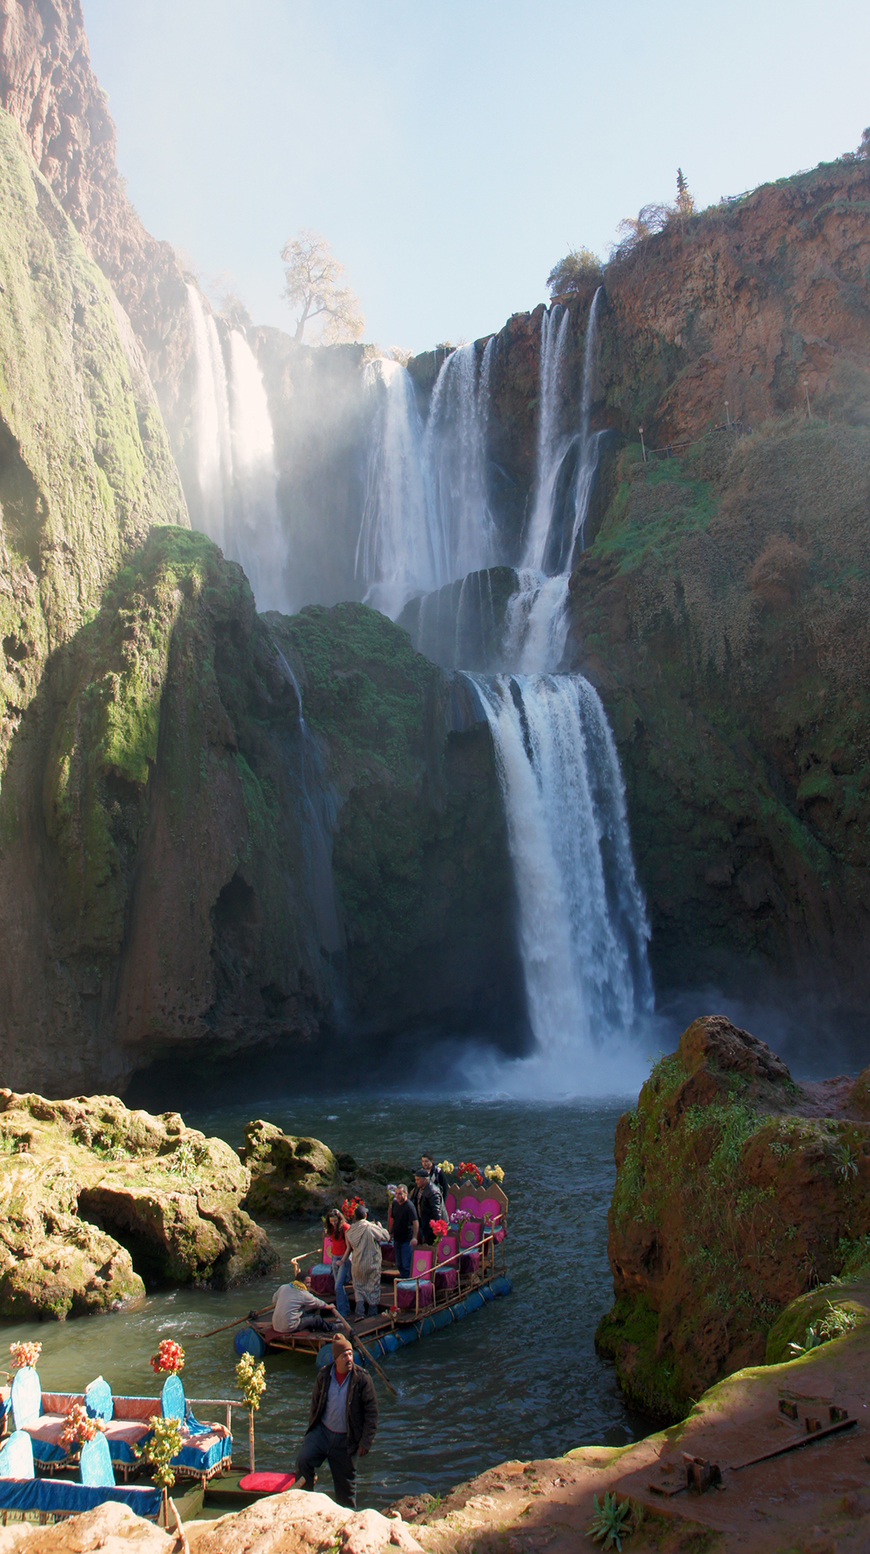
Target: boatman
<point>341,1423</point>
<point>297,1310</point>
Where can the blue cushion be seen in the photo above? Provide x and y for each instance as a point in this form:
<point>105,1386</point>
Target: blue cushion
<point>172,1405</point>
<point>95,1462</point>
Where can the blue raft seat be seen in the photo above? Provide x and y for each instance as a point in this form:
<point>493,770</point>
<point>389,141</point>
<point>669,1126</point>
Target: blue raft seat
<point>207,1449</point>
<point>20,1492</point>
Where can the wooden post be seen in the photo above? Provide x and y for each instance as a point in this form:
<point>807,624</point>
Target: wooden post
<point>251,1437</point>
<point>642,444</point>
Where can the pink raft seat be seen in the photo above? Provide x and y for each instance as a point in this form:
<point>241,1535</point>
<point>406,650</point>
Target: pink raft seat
<point>447,1267</point>
<point>419,1290</point>
<point>322,1281</point>
<point>469,1237</point>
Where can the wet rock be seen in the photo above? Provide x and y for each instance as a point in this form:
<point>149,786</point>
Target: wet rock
<point>96,1199</point>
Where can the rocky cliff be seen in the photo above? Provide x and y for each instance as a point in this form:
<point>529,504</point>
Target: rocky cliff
<point>85,465</point>
<point>737,1191</point>
<point>166,884</point>
<point>48,88</point>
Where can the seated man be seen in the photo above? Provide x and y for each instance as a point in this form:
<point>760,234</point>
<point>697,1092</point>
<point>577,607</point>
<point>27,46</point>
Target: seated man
<point>297,1310</point>
<point>341,1423</point>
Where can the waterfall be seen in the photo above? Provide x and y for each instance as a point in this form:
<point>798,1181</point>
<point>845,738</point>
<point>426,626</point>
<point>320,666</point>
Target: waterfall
<point>235,458</point>
<point>587,461</point>
<point>583,927</point>
<point>536,623</point>
<point>398,553</point>
<point>455,455</point>
<point>211,428</point>
<point>552,446</point>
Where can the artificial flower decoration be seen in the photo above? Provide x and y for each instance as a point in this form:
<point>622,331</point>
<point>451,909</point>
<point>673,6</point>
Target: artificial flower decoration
<point>447,1167</point>
<point>24,1354</point>
<point>493,1173</point>
<point>79,1427</point>
<point>169,1357</point>
<point>439,1227</point>
<point>469,1169</point>
<point>348,1207</point>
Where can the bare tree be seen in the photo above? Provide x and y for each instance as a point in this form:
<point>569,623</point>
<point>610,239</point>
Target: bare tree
<point>635,229</point>
<point>312,276</point>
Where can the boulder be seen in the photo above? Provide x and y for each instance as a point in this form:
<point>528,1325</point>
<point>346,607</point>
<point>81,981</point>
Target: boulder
<point>110,1528</point>
<point>737,1191</point>
<point>290,1175</point>
<point>296,1523</point>
<point>98,1199</point>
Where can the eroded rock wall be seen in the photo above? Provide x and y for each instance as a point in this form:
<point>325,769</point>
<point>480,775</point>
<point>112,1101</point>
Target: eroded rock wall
<point>737,1191</point>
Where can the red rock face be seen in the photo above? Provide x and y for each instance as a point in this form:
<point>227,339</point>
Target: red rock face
<point>737,1191</point>
<point>49,88</point>
<point>759,303</point>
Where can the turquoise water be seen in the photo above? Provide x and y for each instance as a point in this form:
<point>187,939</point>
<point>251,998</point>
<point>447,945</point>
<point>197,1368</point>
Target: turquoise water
<point>518,1379</point>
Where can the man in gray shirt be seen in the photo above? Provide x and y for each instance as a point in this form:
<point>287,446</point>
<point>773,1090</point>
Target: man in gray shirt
<point>341,1423</point>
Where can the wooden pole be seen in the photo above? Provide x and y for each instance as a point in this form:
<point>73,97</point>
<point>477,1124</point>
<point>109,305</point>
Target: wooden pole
<point>251,1437</point>
<point>224,1325</point>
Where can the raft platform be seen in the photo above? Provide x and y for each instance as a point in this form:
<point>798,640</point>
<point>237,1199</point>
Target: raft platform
<point>382,1334</point>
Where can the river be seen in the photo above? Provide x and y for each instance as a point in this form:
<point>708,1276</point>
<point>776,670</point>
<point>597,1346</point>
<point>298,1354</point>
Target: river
<point>518,1379</point>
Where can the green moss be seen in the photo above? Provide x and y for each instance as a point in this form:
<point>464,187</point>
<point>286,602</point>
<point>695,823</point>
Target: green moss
<point>78,484</point>
<point>630,1331</point>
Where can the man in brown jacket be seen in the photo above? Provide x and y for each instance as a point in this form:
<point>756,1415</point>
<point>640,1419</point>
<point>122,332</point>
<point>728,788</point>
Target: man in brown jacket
<point>341,1423</point>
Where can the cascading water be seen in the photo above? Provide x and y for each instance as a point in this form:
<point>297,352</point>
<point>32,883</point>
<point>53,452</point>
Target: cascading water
<point>237,502</point>
<point>455,457</point>
<point>211,421</point>
<point>587,460</point>
<point>552,445</point>
<point>257,539</point>
<point>582,921</point>
<point>401,551</point>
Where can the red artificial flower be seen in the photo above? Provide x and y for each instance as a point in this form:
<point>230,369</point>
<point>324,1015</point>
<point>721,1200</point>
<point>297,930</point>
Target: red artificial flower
<point>169,1357</point>
<point>439,1227</point>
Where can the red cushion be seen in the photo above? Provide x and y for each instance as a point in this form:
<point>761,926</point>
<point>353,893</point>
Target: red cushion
<point>267,1483</point>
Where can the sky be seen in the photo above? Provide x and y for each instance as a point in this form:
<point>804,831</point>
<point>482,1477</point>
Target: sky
<point>453,152</point>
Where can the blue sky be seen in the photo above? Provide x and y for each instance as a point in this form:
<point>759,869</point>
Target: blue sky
<point>452,152</point>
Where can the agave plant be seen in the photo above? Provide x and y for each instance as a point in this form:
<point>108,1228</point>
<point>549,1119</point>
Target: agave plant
<point>608,1525</point>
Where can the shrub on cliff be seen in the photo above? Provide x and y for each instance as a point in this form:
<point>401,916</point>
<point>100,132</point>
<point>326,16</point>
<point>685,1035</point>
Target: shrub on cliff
<point>577,272</point>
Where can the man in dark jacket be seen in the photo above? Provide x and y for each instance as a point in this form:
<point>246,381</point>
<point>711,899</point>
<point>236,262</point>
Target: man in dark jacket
<point>341,1423</point>
<point>428,1205</point>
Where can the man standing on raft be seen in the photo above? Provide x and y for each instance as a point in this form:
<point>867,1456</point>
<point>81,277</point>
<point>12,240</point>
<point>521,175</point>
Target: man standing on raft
<point>341,1423</point>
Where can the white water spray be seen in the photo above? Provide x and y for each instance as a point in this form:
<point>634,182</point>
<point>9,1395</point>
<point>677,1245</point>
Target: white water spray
<point>235,458</point>
<point>399,552</point>
<point>552,445</point>
<point>583,927</point>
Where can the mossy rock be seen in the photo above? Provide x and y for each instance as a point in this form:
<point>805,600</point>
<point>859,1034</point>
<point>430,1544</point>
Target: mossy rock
<point>97,1200</point>
<point>792,1325</point>
<point>730,1196</point>
<point>292,1177</point>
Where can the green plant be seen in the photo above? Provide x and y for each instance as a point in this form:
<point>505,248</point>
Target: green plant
<point>609,1522</point>
<point>579,268</point>
<point>159,1449</point>
<point>251,1382</point>
<point>835,1322</point>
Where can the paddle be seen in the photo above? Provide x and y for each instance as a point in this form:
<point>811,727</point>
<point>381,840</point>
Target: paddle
<point>224,1325</point>
<point>355,1339</point>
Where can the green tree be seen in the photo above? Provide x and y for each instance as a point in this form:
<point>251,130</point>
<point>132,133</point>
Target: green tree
<point>579,269</point>
<point>685,203</point>
<point>312,277</point>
